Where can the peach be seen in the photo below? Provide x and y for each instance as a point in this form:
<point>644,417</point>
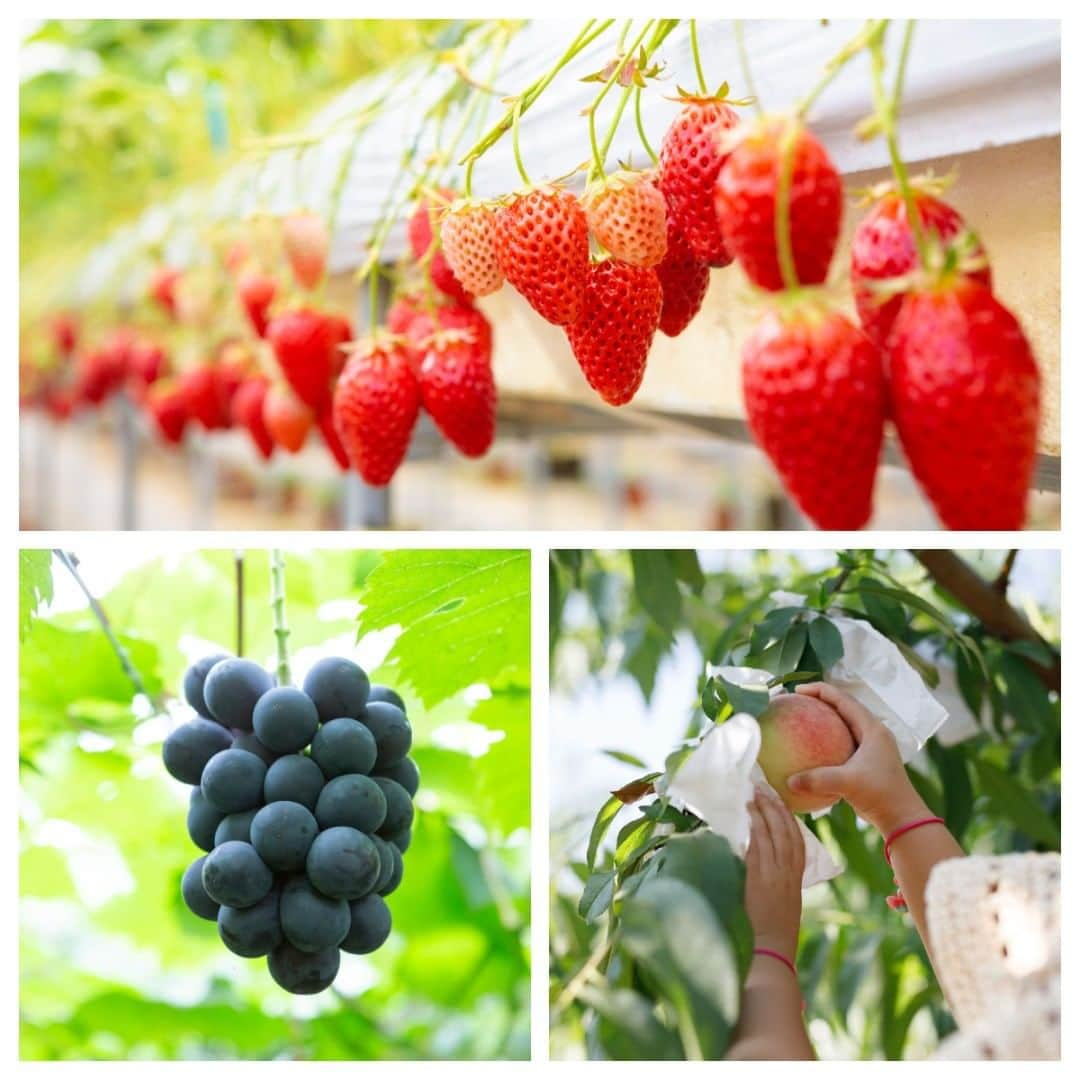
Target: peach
<point>799,733</point>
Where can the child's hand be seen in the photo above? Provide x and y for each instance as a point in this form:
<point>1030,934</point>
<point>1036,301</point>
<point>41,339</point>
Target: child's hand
<point>873,779</point>
<point>774,871</point>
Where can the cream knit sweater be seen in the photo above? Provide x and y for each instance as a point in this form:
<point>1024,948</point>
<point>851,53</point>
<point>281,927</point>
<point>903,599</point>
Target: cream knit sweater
<point>995,932</point>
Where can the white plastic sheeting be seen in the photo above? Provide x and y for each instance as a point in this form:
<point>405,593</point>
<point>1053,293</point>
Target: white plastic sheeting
<point>970,84</point>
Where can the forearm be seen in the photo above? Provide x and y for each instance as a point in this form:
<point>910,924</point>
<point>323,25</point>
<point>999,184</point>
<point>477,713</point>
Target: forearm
<point>915,854</point>
<point>770,1024</point>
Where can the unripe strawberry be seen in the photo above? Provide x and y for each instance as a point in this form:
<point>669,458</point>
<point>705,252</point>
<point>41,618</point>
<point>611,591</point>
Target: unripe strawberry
<point>457,388</point>
<point>286,417</point>
<point>542,240</point>
<point>422,230</point>
<point>611,340</point>
<point>626,213</point>
<point>965,398</point>
<point>376,405</point>
<point>691,156</point>
<point>746,199</point>
<point>814,390</point>
<point>306,243</point>
<point>468,239</point>
<point>883,249</point>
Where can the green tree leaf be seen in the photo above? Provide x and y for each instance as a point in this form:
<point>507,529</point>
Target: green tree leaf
<point>655,586</point>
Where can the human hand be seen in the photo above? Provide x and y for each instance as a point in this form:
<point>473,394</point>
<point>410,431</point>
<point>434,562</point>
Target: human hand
<point>873,780</point>
<point>774,871</point>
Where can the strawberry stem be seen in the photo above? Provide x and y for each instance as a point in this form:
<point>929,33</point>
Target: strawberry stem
<point>887,110</point>
<point>744,63</point>
<point>782,224</point>
<point>833,68</point>
<point>599,154</point>
<point>516,128</point>
<point>703,86</point>
<point>641,128</point>
<point>588,34</point>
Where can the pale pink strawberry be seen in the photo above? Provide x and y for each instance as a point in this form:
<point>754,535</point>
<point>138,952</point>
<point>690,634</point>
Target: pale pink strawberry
<point>306,244</point>
<point>626,213</point>
<point>468,240</point>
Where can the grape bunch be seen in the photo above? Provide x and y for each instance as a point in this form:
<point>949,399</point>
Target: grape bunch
<point>302,800</point>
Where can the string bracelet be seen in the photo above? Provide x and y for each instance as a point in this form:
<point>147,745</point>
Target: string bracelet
<point>897,901</point>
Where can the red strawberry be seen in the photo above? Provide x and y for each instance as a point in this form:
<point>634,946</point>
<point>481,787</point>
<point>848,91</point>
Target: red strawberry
<point>746,204</point>
<point>684,281</point>
<point>421,231</point>
<point>965,397</point>
<point>102,370</point>
<point>247,412</point>
<point>206,396</point>
<point>883,248</point>
<point>305,344</point>
<point>690,160</point>
<point>815,401</point>
<point>306,243</point>
<point>325,420</point>
<point>627,215</point>
<point>340,330</point>
<point>146,361</point>
<point>402,312</point>
<point>376,404</point>
<point>166,402</point>
<point>457,387</point>
<point>611,340</point>
<point>542,240</point>
<point>288,420</point>
<point>64,331</point>
<point>60,401</point>
<point>468,239</point>
<point>450,317</point>
<point>256,291</point>
<point>163,283</point>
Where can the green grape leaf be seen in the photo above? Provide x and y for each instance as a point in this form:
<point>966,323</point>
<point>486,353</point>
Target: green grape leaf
<point>468,608</point>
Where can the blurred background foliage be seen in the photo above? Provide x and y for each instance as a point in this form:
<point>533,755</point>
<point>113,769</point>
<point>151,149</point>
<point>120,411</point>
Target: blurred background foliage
<point>982,629</point>
<point>117,114</point>
<point>112,963</point>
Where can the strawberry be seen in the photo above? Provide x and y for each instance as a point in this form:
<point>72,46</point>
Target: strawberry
<point>166,402</point>
<point>422,233</point>
<point>376,405</point>
<point>611,340</point>
<point>64,331</point>
<point>162,288</point>
<point>306,243</point>
<point>305,343</point>
<point>340,330</point>
<point>256,291</point>
<point>146,363</point>
<point>205,396</point>
<point>287,419</point>
<point>965,396</point>
<point>684,281</point>
<point>247,412</point>
<point>883,248</point>
<point>457,387</point>
<point>746,203</point>
<point>627,215</point>
<point>468,239</point>
<point>102,370</point>
<point>402,312</point>
<point>449,317</point>
<point>690,159</point>
<point>325,420</point>
<point>815,400</point>
<point>542,240</point>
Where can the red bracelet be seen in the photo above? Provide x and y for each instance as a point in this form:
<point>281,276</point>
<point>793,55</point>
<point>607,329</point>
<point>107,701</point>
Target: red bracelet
<point>898,902</point>
<point>759,951</point>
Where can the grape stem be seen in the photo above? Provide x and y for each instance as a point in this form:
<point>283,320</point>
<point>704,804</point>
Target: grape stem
<point>238,562</point>
<point>277,605</point>
<point>71,562</point>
